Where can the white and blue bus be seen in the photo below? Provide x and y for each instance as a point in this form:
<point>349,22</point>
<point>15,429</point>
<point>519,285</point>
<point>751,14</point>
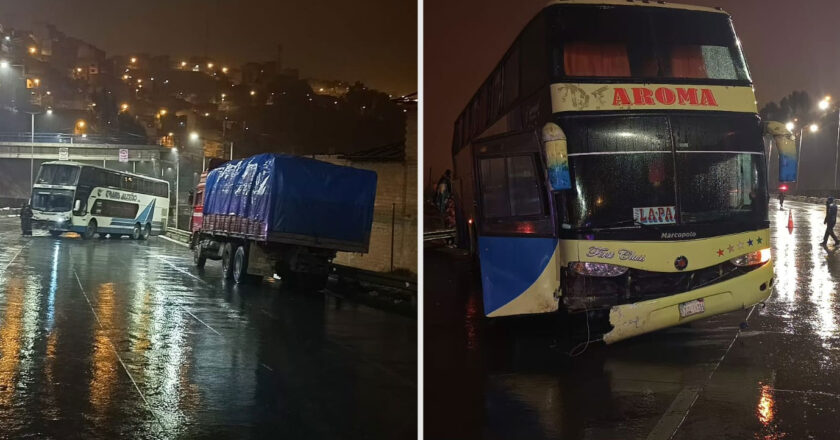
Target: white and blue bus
<point>91,200</point>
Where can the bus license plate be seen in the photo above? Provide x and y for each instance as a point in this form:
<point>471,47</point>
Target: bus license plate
<point>692,308</point>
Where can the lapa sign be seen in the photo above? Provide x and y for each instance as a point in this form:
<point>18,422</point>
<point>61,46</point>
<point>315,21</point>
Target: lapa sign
<point>655,215</point>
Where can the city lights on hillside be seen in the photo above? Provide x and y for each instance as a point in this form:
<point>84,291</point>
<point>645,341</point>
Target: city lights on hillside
<point>183,64</point>
<point>125,76</point>
<point>194,136</point>
<point>224,70</point>
<point>133,60</point>
<point>253,92</point>
<point>162,112</point>
<point>33,50</point>
<point>124,107</point>
<point>209,65</point>
<point>81,123</point>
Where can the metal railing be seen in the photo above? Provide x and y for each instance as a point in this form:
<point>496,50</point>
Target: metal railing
<point>27,137</point>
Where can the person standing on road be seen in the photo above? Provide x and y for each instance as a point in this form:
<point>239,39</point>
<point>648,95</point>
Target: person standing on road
<point>443,191</point>
<point>830,221</point>
<point>26,219</point>
<point>781,200</point>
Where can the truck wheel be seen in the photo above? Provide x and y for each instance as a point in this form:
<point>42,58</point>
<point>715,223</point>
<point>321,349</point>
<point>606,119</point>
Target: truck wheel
<point>198,256</point>
<point>227,261</point>
<point>240,267</point>
<point>90,230</point>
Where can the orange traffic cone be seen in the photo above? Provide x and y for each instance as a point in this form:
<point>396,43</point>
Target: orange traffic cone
<point>790,220</point>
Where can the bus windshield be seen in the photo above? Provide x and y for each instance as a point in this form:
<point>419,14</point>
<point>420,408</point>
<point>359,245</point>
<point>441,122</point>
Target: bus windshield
<point>712,170</point>
<point>58,175</point>
<point>52,200</point>
<point>644,43</point>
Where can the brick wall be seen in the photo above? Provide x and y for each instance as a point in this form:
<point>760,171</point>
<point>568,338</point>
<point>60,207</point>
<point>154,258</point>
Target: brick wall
<point>396,192</point>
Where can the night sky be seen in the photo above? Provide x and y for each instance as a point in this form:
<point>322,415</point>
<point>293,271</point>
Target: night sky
<point>374,41</point>
<point>789,45</point>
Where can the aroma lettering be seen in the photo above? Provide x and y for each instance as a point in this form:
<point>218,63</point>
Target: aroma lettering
<point>664,96</point>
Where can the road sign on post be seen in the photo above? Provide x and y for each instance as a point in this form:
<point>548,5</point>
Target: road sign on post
<point>64,153</point>
<point>123,155</point>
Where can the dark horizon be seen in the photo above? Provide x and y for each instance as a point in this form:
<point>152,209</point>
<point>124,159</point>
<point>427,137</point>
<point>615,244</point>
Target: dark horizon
<point>374,42</point>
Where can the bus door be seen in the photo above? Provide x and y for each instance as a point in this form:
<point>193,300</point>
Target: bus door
<point>517,240</point>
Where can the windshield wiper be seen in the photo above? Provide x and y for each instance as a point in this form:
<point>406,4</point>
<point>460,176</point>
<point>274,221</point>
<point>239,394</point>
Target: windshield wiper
<point>622,223</point>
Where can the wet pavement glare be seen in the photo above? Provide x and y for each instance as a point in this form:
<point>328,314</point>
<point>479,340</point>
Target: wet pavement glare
<point>777,379</point>
<point>126,339</point>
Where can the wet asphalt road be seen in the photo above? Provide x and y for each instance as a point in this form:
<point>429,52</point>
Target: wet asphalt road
<point>778,379</point>
<point>108,339</point>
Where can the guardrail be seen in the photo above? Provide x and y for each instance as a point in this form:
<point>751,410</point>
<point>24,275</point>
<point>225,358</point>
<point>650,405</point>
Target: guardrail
<point>65,138</point>
<point>178,234</point>
<point>444,234</point>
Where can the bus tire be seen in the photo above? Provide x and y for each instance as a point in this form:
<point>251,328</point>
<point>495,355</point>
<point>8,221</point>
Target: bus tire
<point>136,233</point>
<point>227,261</point>
<point>240,267</point>
<point>147,232</point>
<point>90,230</point>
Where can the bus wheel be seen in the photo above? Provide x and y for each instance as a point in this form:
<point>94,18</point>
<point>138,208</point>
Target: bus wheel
<point>90,230</point>
<point>147,232</point>
<point>198,256</point>
<point>240,267</point>
<point>55,233</point>
<point>227,261</point>
<point>135,233</point>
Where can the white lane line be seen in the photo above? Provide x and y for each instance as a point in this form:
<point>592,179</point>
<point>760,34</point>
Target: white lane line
<point>677,412</point>
<point>174,241</point>
<point>114,349</point>
<point>205,324</point>
<point>14,258</point>
<point>180,270</point>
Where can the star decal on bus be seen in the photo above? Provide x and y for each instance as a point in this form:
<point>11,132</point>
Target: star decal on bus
<point>720,252</point>
<point>731,248</point>
<point>750,242</point>
<point>758,240</point>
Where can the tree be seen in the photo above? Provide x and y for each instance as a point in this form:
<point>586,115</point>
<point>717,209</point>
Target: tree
<point>796,106</point>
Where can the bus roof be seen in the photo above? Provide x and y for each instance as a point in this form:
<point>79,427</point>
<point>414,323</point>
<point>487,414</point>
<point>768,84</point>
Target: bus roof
<point>70,162</point>
<point>655,4</point>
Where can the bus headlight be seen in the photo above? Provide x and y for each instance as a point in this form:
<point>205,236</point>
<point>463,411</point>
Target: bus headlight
<point>753,258</point>
<point>597,269</point>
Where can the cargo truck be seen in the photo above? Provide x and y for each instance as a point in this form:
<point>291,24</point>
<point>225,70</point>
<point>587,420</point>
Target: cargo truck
<point>276,214</point>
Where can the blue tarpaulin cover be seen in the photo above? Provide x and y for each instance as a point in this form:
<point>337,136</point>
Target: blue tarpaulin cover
<point>295,195</point>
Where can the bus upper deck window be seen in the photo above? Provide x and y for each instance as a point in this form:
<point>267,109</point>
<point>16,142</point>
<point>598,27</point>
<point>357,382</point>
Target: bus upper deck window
<point>596,59</point>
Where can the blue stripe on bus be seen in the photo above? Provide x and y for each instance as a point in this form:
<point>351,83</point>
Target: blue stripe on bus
<point>510,265</point>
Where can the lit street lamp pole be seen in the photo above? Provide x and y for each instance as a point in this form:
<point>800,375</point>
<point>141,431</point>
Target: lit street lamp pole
<point>32,145</point>
<point>813,129</point>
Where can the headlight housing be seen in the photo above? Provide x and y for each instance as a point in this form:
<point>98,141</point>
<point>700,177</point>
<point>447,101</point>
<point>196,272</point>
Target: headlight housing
<point>753,258</point>
<point>597,269</point>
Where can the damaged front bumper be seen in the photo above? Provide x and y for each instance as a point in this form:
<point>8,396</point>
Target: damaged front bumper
<point>634,319</point>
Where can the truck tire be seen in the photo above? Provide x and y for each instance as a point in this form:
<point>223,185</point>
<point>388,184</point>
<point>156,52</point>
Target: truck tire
<point>198,256</point>
<point>227,261</point>
<point>240,267</point>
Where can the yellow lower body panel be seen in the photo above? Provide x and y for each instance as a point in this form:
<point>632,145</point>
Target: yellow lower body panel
<point>630,320</point>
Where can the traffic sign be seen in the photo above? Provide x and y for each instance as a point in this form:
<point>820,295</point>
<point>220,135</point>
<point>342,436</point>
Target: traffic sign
<point>123,155</point>
<point>63,153</point>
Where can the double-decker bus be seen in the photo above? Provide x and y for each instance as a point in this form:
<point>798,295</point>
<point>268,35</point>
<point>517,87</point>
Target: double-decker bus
<point>91,200</point>
<point>614,160</point>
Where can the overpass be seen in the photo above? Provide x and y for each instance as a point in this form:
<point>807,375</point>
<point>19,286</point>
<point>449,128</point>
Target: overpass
<point>56,146</point>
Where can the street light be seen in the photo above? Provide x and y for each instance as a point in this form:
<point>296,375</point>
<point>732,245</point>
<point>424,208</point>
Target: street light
<point>790,126</point>
<point>32,145</point>
<point>824,105</point>
<point>124,107</point>
<point>813,128</point>
<point>194,136</point>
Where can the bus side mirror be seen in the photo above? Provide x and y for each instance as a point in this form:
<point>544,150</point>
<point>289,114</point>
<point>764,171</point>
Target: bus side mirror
<point>77,205</point>
<point>786,143</point>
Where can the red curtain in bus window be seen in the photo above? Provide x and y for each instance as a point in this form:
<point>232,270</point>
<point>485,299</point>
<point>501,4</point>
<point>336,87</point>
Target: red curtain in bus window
<point>596,59</point>
<point>688,62</point>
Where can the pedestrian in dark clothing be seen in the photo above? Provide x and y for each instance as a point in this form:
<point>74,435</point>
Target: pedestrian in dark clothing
<point>830,221</point>
<point>26,219</point>
<point>443,191</point>
<point>781,200</point>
